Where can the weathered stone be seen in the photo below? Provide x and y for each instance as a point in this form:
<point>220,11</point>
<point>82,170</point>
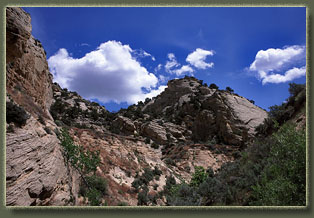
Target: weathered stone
<point>28,79</point>
<point>35,167</point>
<point>124,124</point>
<point>154,131</point>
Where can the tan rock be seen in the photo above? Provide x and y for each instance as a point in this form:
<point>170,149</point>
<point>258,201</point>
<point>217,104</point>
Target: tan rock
<point>154,131</point>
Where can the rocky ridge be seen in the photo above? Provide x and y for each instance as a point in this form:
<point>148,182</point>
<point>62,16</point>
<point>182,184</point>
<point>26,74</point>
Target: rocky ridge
<point>187,125</point>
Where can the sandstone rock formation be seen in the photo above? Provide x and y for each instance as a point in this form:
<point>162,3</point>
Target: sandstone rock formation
<point>37,173</point>
<point>208,112</point>
<point>187,125</point>
<point>28,78</point>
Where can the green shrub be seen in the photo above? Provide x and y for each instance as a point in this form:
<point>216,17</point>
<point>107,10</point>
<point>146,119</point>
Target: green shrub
<point>169,162</point>
<point>147,140</point>
<point>155,145</point>
<point>142,198</point>
<point>213,86</point>
<point>228,89</point>
<point>199,176</point>
<point>156,171</point>
<point>295,89</point>
<point>170,181</point>
<point>85,161</point>
<point>94,197</point>
<point>16,114</point>
<point>98,183</point>
<point>58,107</point>
<point>283,180</point>
<point>183,195</point>
<point>148,175</point>
<point>137,183</point>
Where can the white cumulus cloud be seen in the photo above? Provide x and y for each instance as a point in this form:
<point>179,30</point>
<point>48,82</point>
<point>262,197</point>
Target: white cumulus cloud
<point>183,69</point>
<point>279,65</point>
<point>109,73</point>
<point>289,75</point>
<point>197,58</point>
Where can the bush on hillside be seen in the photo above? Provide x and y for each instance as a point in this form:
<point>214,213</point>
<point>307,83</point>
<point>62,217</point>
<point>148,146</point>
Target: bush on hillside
<point>213,86</point>
<point>283,180</point>
<point>16,114</point>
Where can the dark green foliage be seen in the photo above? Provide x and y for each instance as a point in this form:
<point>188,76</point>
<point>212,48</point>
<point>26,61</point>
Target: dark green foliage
<point>276,111</point>
<point>282,113</point>
<point>147,140</point>
<point>94,114</point>
<point>59,123</point>
<point>156,171</point>
<point>148,175</point>
<point>95,104</point>
<point>170,181</point>
<point>137,183</point>
<point>94,197</point>
<point>142,198</point>
<point>147,100</point>
<point>183,195</point>
<point>16,114</point>
<point>270,172</point>
<point>228,89</point>
<point>155,145</point>
<point>169,162</point>
<point>295,89</point>
<point>143,180</point>
<point>213,86</point>
<point>252,101</point>
<point>57,108</point>
<point>64,93</point>
<point>212,191</point>
<point>98,183</point>
<point>283,179</point>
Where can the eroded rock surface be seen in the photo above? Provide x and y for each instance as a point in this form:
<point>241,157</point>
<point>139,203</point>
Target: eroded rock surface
<point>187,125</point>
<point>37,173</point>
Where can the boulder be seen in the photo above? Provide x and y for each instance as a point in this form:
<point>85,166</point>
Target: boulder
<point>124,125</point>
<point>154,131</point>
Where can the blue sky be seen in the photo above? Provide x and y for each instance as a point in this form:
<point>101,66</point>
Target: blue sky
<point>118,56</point>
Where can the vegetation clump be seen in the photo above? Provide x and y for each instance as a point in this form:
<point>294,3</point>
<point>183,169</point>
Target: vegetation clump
<point>282,113</point>
<point>16,114</point>
<point>272,172</point>
<point>85,162</point>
